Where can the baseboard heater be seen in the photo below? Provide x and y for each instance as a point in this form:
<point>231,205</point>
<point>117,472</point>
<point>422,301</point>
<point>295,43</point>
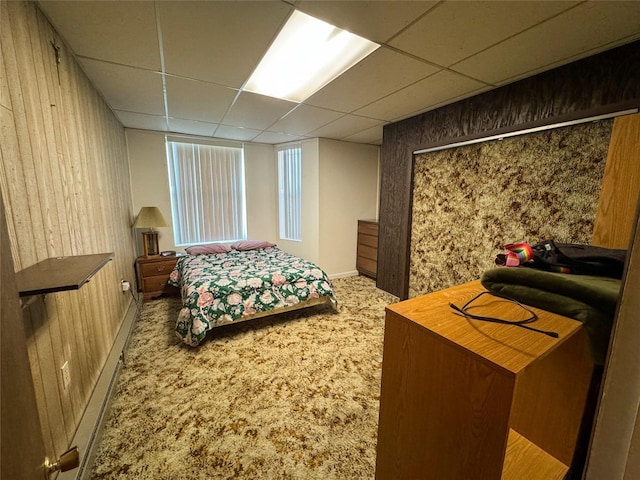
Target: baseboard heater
<point>92,421</point>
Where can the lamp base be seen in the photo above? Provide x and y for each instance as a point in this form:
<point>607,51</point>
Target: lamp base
<point>150,242</point>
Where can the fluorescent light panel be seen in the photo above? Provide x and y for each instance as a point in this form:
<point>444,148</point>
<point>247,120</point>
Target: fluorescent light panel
<point>306,55</point>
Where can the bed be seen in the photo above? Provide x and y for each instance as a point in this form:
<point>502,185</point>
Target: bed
<point>237,285</point>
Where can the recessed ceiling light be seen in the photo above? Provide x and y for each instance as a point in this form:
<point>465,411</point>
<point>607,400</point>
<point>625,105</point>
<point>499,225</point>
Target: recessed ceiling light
<point>306,55</point>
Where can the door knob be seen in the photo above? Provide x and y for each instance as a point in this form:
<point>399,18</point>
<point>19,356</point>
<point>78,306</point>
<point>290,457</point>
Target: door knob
<point>67,461</point>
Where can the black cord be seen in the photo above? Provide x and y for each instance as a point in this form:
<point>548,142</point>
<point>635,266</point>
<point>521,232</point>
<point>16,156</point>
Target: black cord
<point>518,323</point>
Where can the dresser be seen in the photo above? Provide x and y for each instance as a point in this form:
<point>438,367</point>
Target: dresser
<point>466,399</point>
<point>367,249</point>
<point>153,276</point>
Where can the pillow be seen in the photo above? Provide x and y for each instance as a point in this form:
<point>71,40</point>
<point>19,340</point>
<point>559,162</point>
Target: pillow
<point>210,248</point>
<point>251,244</point>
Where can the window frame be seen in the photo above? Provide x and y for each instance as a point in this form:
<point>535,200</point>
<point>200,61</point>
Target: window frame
<point>225,224</point>
<point>289,196</point>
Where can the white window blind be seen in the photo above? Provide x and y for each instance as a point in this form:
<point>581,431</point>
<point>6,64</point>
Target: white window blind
<point>290,192</point>
<point>207,192</point>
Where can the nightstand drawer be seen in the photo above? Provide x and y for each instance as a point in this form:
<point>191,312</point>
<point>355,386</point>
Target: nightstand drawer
<point>155,284</point>
<point>153,276</point>
<point>157,268</point>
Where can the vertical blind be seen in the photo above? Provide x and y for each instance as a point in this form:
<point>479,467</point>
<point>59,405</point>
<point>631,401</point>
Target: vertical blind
<point>207,192</point>
<point>290,192</point>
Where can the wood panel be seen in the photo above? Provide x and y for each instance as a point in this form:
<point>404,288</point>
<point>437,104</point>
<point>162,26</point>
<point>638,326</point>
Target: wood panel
<point>455,390</point>
<point>606,82</point>
<point>620,185</point>
<point>22,445</point>
<point>65,183</point>
<point>548,397</point>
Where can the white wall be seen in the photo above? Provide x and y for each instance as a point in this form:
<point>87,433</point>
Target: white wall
<point>150,181</point>
<point>339,185</point>
<point>262,192</point>
<point>308,248</point>
<point>150,185</point>
<point>348,193</point>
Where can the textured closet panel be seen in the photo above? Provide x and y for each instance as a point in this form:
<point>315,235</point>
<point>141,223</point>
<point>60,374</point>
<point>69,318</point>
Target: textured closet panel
<point>468,202</point>
<point>605,82</point>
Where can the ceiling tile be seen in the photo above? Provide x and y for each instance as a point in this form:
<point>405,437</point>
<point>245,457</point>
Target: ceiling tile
<point>219,42</point>
<point>236,133</point>
<point>197,100</point>
<point>120,32</point>
<point>381,73</point>
<point>378,21</point>
<point>142,121</point>
<point>273,138</point>
<point>437,89</point>
<point>191,127</point>
<point>455,30</point>
<point>257,111</point>
<point>211,47</point>
<point>345,126</point>
<point>303,119</point>
<point>372,136</point>
<point>127,88</point>
<point>556,41</point>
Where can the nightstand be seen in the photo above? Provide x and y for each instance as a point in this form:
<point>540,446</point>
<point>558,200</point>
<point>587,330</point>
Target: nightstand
<point>153,276</point>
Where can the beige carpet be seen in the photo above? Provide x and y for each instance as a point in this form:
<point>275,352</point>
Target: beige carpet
<point>293,396</point>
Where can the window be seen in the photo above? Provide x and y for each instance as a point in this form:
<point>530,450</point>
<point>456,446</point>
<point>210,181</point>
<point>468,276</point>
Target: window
<point>207,192</point>
<point>290,192</point>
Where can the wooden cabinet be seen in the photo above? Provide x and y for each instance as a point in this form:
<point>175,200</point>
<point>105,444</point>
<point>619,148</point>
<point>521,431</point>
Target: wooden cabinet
<point>367,251</point>
<point>153,276</point>
<point>470,399</point>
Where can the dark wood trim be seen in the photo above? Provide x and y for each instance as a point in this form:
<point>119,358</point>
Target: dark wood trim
<point>570,117</point>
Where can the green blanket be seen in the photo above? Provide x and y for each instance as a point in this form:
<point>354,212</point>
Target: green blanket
<point>589,299</point>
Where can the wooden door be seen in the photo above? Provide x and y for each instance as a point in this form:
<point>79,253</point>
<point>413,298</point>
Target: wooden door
<point>22,444</point>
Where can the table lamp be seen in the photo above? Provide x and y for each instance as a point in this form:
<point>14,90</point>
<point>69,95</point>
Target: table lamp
<point>150,217</point>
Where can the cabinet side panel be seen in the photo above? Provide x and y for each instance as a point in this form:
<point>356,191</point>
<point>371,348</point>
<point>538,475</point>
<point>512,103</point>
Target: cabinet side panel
<point>550,398</point>
<point>443,414</point>
<point>620,185</point>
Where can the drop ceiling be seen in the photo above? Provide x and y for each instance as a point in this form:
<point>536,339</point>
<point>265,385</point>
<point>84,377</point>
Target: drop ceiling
<point>180,66</point>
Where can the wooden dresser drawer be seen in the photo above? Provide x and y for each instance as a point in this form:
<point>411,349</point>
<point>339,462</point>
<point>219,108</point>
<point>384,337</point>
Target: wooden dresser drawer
<point>370,253</point>
<point>367,240</point>
<point>157,268</point>
<point>367,267</point>
<point>368,228</point>
<point>367,248</point>
<point>155,284</point>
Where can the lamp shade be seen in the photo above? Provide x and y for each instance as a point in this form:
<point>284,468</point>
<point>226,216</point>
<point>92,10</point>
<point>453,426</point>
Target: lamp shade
<point>149,217</point>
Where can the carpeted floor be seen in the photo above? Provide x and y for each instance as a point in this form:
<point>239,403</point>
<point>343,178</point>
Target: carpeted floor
<point>293,396</point>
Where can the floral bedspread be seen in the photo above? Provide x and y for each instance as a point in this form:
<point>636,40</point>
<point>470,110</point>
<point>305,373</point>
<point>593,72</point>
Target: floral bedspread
<point>221,288</point>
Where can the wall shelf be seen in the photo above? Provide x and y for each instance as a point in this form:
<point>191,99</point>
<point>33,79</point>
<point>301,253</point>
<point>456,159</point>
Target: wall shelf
<point>58,274</point>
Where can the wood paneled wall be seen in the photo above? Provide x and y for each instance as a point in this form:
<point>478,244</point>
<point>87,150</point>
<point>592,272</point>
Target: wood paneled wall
<point>64,178</point>
<point>603,83</point>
